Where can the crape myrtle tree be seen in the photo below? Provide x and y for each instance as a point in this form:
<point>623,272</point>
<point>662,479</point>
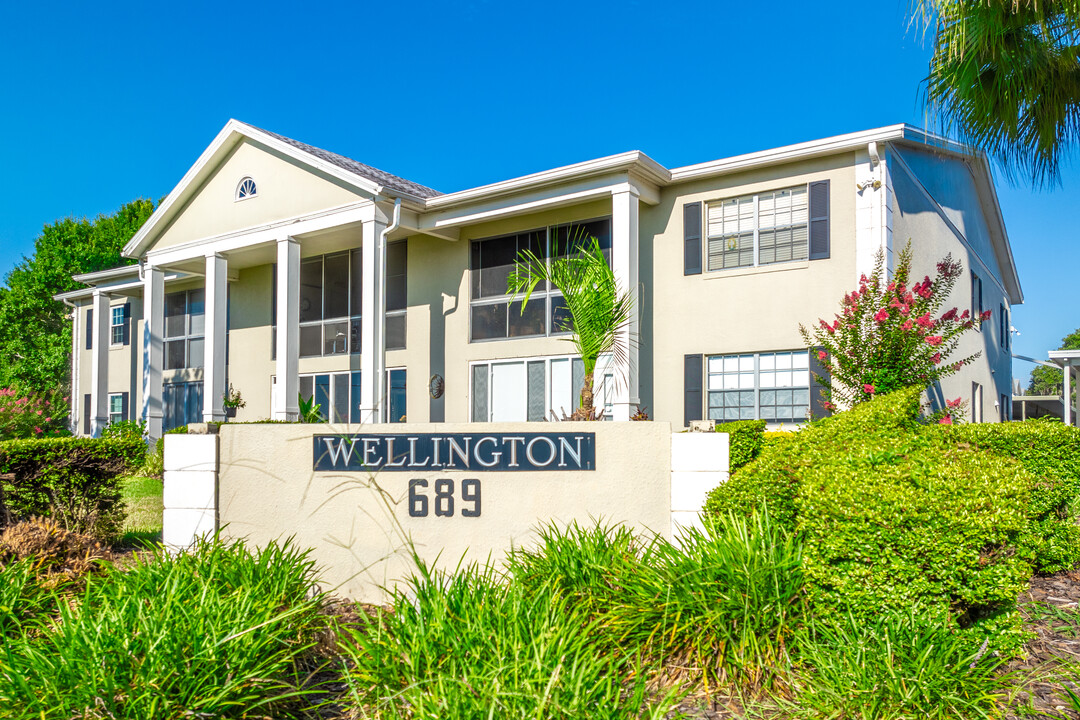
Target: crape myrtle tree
<point>891,334</point>
<point>598,310</point>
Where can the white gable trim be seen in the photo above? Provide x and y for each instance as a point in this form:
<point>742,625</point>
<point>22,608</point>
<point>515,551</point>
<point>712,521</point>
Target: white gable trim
<point>230,136</point>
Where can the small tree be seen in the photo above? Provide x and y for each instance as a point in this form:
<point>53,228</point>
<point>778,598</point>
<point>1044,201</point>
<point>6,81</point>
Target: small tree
<point>598,309</point>
<point>889,335</point>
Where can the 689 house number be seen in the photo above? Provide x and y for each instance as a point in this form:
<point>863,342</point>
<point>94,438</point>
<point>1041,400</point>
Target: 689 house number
<point>444,501</point>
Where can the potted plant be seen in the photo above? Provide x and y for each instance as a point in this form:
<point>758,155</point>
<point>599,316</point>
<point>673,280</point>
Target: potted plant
<point>232,400</point>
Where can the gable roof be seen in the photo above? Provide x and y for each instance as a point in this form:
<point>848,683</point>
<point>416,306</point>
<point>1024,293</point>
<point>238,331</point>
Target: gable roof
<point>376,175</point>
<point>364,177</point>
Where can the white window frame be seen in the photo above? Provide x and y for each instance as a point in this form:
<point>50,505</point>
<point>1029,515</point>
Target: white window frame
<point>603,381</point>
<point>756,197</point>
<point>239,186</point>
<point>114,326</point>
<point>757,389</point>
<point>118,415</point>
<point>544,295</point>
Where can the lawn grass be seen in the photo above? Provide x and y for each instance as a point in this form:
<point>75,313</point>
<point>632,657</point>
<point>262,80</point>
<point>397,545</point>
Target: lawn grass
<point>143,498</point>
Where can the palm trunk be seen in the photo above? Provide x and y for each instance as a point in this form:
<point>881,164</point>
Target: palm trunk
<point>585,412</point>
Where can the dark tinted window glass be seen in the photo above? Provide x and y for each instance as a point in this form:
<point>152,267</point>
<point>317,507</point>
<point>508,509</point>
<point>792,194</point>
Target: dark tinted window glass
<point>396,396</point>
<point>356,282</point>
<point>396,283</point>
<point>496,262</point>
<point>354,336</point>
<point>335,337</point>
<point>561,320</point>
<point>311,290</point>
<point>574,236</point>
<point>322,395</point>
<point>174,355</point>
<point>341,398</point>
<point>175,318</point>
<point>489,321</point>
<point>354,403</point>
<point>529,323</point>
<point>310,340</point>
<point>336,286</point>
<point>395,332</point>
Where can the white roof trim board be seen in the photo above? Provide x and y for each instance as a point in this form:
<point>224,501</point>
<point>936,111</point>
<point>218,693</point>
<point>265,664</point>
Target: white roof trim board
<point>420,198</point>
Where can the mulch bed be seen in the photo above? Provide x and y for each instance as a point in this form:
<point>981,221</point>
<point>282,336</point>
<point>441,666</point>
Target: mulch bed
<point>1037,697</point>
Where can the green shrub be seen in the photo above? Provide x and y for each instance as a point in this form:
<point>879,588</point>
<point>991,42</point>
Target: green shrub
<point>745,440</point>
<point>1050,451</point>
<point>900,664</point>
<point>73,480</point>
<point>892,514</point>
<point>475,646</point>
<point>723,601</point>
<point>218,632</point>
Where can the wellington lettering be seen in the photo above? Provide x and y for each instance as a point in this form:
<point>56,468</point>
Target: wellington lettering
<point>456,451</point>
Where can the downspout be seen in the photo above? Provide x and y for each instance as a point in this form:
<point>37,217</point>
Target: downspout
<point>395,223</point>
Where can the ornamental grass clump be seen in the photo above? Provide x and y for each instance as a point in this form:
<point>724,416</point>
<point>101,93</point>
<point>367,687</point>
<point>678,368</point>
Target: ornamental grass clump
<point>719,605</point>
<point>891,334</point>
<point>475,645</point>
<point>220,631</point>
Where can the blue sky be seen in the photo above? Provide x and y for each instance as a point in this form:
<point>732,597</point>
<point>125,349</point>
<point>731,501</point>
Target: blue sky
<point>106,102</point>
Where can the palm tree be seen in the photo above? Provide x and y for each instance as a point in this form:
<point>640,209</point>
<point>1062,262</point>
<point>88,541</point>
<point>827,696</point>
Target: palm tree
<point>1005,75</point>
<point>599,311</point>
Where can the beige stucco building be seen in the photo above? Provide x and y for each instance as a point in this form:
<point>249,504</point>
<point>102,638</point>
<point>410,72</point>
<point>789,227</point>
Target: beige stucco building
<point>285,271</point>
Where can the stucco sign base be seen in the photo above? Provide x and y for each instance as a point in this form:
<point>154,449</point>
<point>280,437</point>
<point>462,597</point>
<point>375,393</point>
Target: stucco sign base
<point>361,525</point>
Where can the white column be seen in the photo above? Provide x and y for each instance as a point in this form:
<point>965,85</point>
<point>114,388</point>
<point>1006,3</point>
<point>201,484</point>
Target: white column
<point>286,404</point>
<point>153,348</point>
<point>99,364</point>
<point>372,323</point>
<point>217,305</point>
<point>1066,395</point>
<point>624,261</point>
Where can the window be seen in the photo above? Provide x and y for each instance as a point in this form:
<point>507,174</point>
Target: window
<point>1003,327</point>
<point>492,315</point>
<point>976,299</point>
<point>246,189</point>
<point>976,402</point>
<point>397,295</point>
<point>117,407</point>
<point>120,327</point>
<point>185,322</point>
<point>336,394</point>
<point>774,387</point>
<point>529,390</point>
<point>182,404</point>
<point>396,407</point>
<point>760,229</point>
<point>330,301</point>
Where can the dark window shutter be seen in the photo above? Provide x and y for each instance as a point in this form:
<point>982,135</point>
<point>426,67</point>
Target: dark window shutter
<point>819,375</point>
<point>86,415</point>
<point>819,220</point>
<point>90,329</point>
<point>127,325</point>
<point>124,406</point>
<point>693,372</point>
<point>692,239</point>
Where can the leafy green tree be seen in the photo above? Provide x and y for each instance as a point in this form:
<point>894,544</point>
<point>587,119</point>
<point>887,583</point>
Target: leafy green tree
<point>1046,380</point>
<point>598,309</point>
<point>35,330</point>
<point>1006,76</point>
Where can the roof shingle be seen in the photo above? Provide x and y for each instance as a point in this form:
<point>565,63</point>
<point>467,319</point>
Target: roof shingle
<point>393,182</point>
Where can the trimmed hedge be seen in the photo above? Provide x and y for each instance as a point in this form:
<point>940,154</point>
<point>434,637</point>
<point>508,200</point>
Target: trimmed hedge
<point>1050,451</point>
<point>745,442</point>
<point>893,515</point>
<point>73,480</point>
